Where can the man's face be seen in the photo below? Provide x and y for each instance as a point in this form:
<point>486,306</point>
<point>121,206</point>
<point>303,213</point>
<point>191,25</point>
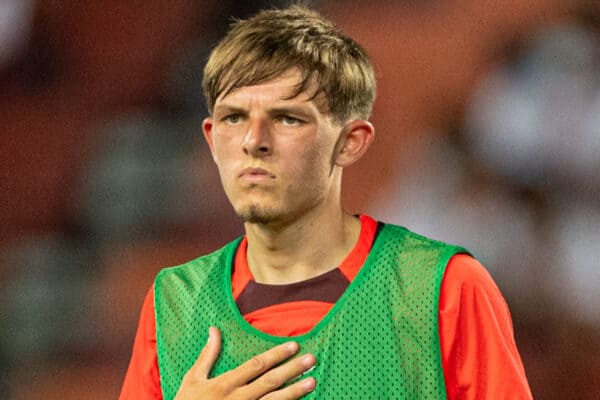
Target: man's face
<point>275,155</point>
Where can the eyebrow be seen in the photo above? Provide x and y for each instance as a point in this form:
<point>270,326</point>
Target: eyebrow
<point>297,110</point>
<point>303,111</point>
<point>225,108</point>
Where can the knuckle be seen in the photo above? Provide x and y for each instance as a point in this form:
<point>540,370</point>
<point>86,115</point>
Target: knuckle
<point>257,364</point>
<point>218,385</point>
<point>270,382</point>
<point>217,389</point>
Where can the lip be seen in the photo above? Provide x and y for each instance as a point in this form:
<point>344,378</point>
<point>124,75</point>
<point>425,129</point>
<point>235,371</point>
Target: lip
<point>254,175</point>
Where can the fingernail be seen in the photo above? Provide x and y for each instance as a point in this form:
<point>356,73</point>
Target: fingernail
<point>292,347</point>
<point>309,384</point>
<point>308,361</point>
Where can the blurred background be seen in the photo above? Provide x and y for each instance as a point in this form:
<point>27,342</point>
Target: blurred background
<point>488,122</point>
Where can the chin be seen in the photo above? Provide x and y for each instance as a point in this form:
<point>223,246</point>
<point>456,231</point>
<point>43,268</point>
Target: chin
<point>259,215</point>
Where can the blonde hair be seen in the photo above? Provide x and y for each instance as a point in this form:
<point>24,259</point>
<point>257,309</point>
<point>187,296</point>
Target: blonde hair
<point>274,41</point>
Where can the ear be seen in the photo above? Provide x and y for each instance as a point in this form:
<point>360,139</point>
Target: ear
<point>355,138</point>
<point>207,129</point>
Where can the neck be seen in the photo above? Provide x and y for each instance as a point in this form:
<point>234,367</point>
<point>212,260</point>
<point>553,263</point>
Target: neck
<point>307,247</point>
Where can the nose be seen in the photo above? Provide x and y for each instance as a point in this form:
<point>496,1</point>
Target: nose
<point>257,141</point>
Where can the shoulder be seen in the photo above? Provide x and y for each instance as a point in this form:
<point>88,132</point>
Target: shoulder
<point>408,238</point>
<point>468,289</point>
<point>202,264</point>
<point>464,272</point>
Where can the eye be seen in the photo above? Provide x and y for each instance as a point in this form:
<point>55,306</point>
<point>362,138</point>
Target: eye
<point>232,119</point>
<point>288,120</point>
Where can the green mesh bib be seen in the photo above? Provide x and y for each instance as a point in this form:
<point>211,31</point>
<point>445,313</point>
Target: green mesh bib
<point>379,341</point>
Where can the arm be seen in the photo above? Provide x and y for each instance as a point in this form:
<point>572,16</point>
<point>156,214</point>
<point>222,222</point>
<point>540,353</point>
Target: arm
<point>479,354</point>
<point>142,381</point>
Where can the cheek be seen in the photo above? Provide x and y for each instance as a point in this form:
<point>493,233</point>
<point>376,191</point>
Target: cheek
<point>225,167</point>
<point>225,141</point>
<point>314,166</point>
<point>224,151</point>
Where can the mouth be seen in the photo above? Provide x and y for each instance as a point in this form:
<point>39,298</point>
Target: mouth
<point>255,175</point>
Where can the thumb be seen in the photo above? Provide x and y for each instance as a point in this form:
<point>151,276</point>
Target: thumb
<point>209,354</point>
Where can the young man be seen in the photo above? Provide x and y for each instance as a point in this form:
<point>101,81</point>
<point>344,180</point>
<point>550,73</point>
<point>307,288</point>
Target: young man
<point>313,301</point>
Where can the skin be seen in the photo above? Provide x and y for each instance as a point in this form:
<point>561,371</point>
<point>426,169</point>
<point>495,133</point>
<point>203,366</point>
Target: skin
<point>280,160</point>
<point>258,378</point>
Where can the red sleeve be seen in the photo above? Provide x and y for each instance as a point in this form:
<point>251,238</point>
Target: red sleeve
<point>142,381</point>
<point>479,354</point>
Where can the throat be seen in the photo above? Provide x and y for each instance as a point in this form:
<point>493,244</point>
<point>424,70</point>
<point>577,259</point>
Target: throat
<point>300,257</point>
<point>283,272</point>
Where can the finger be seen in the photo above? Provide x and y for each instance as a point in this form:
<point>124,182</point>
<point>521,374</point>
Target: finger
<point>272,380</point>
<point>294,391</point>
<point>261,363</point>
<point>209,354</point>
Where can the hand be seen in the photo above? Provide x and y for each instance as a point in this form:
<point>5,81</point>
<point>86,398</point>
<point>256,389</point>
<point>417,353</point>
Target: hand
<point>261,377</point>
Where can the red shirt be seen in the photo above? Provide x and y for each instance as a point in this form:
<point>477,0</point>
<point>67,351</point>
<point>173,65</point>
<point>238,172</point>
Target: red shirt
<point>479,356</point>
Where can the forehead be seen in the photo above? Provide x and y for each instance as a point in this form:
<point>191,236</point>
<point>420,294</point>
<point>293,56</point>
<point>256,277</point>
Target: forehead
<point>281,89</point>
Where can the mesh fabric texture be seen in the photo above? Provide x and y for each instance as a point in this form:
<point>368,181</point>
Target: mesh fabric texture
<point>379,341</point>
